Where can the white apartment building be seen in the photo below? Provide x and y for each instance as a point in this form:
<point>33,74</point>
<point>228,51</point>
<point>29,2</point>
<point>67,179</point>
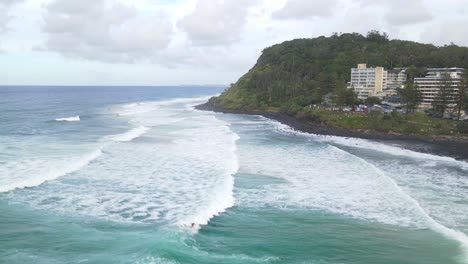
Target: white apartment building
<point>368,82</point>
<point>434,80</point>
<point>396,79</point>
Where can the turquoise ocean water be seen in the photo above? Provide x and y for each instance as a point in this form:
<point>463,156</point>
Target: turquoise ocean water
<point>136,175</point>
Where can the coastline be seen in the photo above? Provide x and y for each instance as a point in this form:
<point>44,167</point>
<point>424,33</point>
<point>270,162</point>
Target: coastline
<point>454,147</point>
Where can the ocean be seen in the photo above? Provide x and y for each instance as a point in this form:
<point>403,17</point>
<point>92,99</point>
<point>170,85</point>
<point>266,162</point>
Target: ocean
<point>137,175</point>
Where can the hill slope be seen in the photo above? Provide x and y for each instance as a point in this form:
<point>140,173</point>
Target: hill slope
<point>300,72</point>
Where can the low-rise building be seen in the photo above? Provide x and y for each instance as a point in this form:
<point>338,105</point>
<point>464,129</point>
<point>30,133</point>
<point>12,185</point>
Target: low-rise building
<point>435,78</point>
<point>396,79</point>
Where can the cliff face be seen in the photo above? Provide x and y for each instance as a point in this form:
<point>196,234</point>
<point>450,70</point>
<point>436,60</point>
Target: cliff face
<point>300,72</point>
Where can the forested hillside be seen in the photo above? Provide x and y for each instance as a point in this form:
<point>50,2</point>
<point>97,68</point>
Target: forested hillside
<point>300,72</point>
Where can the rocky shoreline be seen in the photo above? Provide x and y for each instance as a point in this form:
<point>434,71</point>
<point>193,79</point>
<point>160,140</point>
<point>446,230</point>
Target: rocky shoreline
<point>439,145</point>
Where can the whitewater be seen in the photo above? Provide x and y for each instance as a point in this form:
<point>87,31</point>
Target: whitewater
<point>137,175</point>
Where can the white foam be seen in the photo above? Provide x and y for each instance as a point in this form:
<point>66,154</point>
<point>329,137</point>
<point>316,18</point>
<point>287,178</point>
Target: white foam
<point>182,174</point>
<point>330,179</point>
<point>389,149</point>
<point>193,100</point>
<point>69,119</point>
<point>222,197</point>
<point>139,108</point>
<point>324,177</point>
<point>129,135</point>
<point>319,178</point>
<point>34,172</point>
<point>429,221</point>
<point>371,145</point>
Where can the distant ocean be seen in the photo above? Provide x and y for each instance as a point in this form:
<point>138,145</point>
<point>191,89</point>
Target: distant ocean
<point>136,175</point>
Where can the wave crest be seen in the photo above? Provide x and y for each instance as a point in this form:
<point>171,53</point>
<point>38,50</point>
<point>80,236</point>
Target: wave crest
<point>69,119</point>
<point>130,135</point>
<point>34,173</point>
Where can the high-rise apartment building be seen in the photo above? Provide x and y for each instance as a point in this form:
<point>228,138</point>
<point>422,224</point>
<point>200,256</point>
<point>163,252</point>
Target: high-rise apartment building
<point>368,82</point>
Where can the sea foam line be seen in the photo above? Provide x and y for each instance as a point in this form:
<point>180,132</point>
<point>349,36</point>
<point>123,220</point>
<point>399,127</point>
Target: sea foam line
<point>449,233</point>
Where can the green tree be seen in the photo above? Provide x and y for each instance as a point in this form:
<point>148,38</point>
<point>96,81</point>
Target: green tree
<point>461,98</point>
<point>375,35</point>
<point>372,100</point>
<point>410,96</point>
<point>445,96</point>
<point>414,72</point>
<point>339,94</point>
<point>351,98</point>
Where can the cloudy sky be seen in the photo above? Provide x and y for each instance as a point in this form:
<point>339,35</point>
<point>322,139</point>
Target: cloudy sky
<point>172,42</point>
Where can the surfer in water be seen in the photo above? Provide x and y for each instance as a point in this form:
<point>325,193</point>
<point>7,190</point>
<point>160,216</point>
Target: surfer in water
<point>193,225</point>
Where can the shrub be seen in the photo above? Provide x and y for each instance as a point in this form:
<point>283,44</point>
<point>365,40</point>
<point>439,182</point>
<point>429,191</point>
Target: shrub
<point>462,127</point>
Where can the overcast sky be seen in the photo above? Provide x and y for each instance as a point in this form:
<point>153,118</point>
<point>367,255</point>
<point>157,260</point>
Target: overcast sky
<point>172,42</point>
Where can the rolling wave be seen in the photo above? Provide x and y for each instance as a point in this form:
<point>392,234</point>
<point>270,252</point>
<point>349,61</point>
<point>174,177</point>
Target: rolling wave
<point>129,135</point>
<point>181,176</point>
<point>35,172</point>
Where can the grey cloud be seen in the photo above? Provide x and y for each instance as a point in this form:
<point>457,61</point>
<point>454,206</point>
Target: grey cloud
<point>104,30</point>
<point>447,32</point>
<point>404,12</point>
<point>401,12</point>
<point>216,22</point>
<point>304,9</point>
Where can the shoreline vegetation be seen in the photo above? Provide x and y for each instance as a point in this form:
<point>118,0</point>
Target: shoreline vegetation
<point>302,83</point>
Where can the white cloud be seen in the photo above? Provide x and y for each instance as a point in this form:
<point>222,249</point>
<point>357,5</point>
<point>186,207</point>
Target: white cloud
<point>218,22</point>
<point>5,16</point>
<point>205,41</point>
<point>403,12</point>
<point>104,30</point>
<point>303,9</point>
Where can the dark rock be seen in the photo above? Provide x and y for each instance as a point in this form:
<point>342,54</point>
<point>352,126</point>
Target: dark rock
<point>439,145</point>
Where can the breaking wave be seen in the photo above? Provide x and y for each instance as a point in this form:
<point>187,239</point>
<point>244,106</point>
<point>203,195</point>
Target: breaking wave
<point>69,119</point>
<point>129,135</point>
<point>35,172</point>
<point>182,174</point>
